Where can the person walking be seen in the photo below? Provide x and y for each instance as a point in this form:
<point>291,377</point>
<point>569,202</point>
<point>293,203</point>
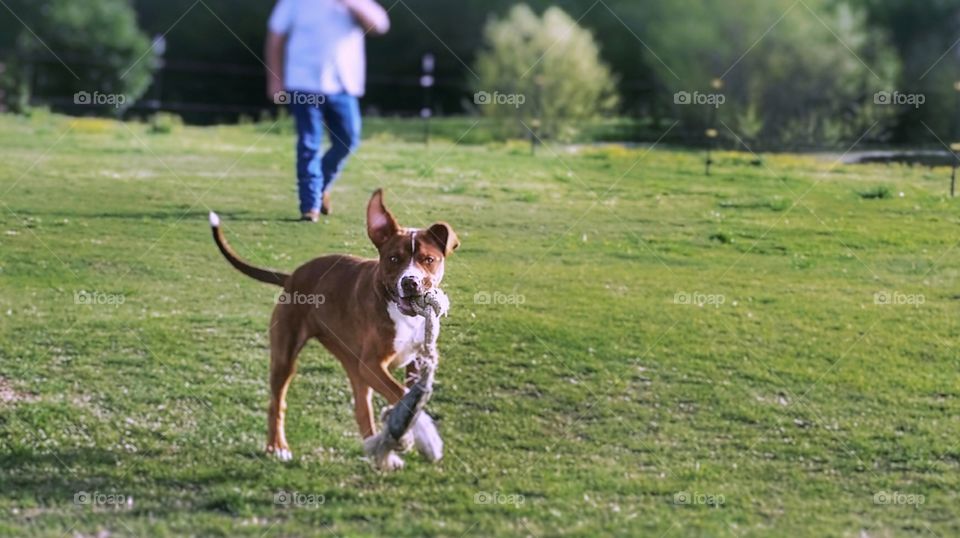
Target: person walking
<point>316,64</point>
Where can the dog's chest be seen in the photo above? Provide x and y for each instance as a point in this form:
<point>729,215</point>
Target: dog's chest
<point>408,338</point>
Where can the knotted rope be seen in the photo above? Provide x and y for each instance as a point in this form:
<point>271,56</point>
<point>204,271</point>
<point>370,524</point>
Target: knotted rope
<point>397,420</point>
<point>430,306</point>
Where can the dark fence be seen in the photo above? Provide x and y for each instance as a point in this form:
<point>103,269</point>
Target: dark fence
<point>207,93</point>
<point>215,93</point>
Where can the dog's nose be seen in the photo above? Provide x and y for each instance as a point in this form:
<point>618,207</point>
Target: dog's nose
<point>409,285</point>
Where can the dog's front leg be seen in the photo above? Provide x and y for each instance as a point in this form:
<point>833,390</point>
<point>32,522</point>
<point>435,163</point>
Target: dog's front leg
<point>381,447</point>
<point>285,345</point>
<point>362,404</point>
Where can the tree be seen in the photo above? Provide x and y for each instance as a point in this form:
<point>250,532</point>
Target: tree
<point>809,71</point>
<point>101,48</point>
<point>924,34</point>
<point>545,69</point>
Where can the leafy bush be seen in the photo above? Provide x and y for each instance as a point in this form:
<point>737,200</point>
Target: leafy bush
<point>545,71</point>
<point>102,49</point>
<point>165,123</point>
<point>881,192</point>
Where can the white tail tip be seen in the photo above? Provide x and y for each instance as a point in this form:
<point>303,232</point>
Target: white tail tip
<point>214,220</point>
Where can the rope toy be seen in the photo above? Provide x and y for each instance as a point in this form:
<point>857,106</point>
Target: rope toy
<point>430,306</point>
<point>399,419</point>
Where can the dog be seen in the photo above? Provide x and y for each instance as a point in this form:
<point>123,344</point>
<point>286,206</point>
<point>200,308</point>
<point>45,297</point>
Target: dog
<point>361,311</point>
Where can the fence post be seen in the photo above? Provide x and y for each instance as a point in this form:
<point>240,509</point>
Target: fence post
<point>537,121</point>
<point>711,136</point>
<point>3,93</point>
<point>427,63</point>
<point>159,50</point>
<point>954,148</point>
<point>711,132</point>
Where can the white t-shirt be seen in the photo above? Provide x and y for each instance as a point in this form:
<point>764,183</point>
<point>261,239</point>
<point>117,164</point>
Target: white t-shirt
<point>325,46</point>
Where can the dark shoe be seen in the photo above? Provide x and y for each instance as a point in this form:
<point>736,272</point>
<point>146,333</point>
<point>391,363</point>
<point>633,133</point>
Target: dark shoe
<point>325,206</point>
<point>311,216</point>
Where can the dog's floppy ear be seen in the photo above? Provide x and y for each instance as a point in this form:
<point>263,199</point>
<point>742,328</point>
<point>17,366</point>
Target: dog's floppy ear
<point>381,225</point>
<point>443,235</point>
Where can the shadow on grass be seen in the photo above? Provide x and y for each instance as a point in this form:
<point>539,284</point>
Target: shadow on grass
<point>151,481</point>
<point>173,214</point>
<point>59,476</point>
<point>176,215</point>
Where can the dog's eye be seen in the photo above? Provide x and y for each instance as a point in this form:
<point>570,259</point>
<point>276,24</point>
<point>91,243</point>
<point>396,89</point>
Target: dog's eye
<point>394,259</point>
<point>429,260</point>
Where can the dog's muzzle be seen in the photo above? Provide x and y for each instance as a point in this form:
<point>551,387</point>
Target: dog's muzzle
<point>404,302</point>
<point>410,286</point>
<point>408,290</point>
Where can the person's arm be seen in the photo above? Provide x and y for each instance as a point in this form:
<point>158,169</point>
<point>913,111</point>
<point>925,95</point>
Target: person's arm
<point>274,52</point>
<point>371,15</point>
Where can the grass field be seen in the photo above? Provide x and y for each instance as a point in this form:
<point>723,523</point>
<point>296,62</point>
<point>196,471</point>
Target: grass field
<point>633,349</point>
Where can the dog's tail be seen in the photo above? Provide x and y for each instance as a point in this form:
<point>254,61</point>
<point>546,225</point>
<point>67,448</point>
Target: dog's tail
<point>256,273</point>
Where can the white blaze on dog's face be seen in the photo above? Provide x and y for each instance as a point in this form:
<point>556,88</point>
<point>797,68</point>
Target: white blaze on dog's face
<point>411,261</point>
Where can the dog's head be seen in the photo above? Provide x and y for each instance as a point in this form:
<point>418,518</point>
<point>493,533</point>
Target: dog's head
<point>411,261</point>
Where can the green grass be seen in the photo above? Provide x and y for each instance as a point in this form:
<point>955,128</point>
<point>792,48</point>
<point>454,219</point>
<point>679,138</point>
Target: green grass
<point>809,380</point>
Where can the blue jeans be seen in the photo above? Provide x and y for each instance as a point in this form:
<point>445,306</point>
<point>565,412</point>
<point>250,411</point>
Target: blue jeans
<point>339,115</point>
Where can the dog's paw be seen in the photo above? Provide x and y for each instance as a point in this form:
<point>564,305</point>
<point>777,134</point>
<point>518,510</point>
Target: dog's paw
<point>427,439</point>
<point>281,454</point>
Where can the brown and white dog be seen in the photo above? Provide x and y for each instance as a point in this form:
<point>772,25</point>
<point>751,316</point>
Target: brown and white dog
<point>360,310</point>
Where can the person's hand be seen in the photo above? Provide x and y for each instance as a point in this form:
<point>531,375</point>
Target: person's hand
<point>371,15</point>
<point>274,86</point>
